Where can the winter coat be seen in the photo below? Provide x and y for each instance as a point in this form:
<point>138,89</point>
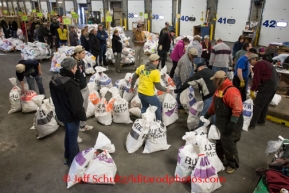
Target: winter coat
<point>178,51</point>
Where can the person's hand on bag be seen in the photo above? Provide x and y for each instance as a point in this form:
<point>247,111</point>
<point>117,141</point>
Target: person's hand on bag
<point>252,94</point>
<point>242,83</point>
<point>160,47</point>
<point>131,90</point>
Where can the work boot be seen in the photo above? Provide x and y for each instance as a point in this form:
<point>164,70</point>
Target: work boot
<point>230,170</point>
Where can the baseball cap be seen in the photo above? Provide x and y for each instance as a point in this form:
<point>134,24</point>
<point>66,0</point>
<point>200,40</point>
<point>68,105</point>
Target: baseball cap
<point>100,24</point>
<point>262,50</point>
<point>154,57</point>
<point>78,49</point>
<point>193,51</point>
<point>253,56</point>
<point>219,74</point>
<point>20,68</point>
<point>219,39</point>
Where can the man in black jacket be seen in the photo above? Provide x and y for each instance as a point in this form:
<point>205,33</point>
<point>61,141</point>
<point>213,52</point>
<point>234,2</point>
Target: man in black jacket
<point>32,27</point>
<point>67,99</point>
<point>206,86</point>
<point>80,77</point>
<point>116,48</point>
<point>95,47</point>
<point>53,30</point>
<point>43,32</point>
<point>164,45</point>
<point>165,29</point>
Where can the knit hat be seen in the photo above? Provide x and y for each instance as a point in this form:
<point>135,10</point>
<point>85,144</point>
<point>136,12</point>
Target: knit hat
<point>154,57</point>
<point>261,49</point>
<point>20,68</point>
<point>68,63</point>
<point>219,74</point>
<point>193,52</point>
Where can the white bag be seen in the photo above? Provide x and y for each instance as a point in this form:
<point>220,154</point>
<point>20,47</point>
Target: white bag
<point>120,111</point>
<point>230,75</point>
<point>276,100</point>
<point>156,138</point>
<point>103,142</point>
<point>93,99</point>
<point>103,109</point>
<point>136,136</point>
<point>247,113</point>
<point>135,111</point>
<point>14,97</point>
<point>193,118</point>
<point>187,98</point>
<point>135,102</point>
<point>45,122</point>
<point>26,101</point>
<point>120,85</point>
<point>170,109</point>
<point>204,171</point>
<point>105,81</point>
<point>101,168</point>
<point>214,133</point>
<point>127,93</point>
<point>90,112</point>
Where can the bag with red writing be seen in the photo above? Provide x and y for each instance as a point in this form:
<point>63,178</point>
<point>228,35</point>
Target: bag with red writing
<point>204,176</point>
<point>103,109</point>
<point>26,101</point>
<point>14,97</point>
<point>93,99</point>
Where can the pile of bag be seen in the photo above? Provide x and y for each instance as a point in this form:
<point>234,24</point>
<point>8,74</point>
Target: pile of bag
<point>147,130</point>
<point>124,39</point>
<point>151,45</point>
<point>95,162</point>
<point>127,55</point>
<point>67,51</point>
<point>198,159</point>
<point>9,44</point>
<point>34,51</point>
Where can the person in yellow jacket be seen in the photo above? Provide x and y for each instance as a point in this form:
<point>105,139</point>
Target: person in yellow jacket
<point>62,35</point>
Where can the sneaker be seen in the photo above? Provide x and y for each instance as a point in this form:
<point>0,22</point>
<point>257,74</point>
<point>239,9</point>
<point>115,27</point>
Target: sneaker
<point>86,128</point>
<point>230,170</point>
<point>79,140</point>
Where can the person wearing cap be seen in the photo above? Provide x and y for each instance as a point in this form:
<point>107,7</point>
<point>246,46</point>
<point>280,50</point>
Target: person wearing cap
<point>116,48</point>
<point>102,36</point>
<point>243,51</point>
<point>31,70</point>
<point>165,29</point>
<point>62,35</point>
<point>227,106</point>
<point>53,30</point>
<point>206,50</point>
<point>264,56</point>
<point>221,57</point>
<point>165,44</point>
<point>149,79</point>
<point>42,32</point>
<point>139,39</point>
<point>73,37</point>
<point>68,101</point>
<point>80,77</point>
<point>177,53</point>
<point>241,73</point>
<point>95,47</point>
<point>183,70</point>
<point>265,81</point>
<point>202,77</point>
<point>196,44</point>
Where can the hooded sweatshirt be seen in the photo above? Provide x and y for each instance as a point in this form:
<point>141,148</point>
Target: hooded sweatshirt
<point>67,98</point>
<point>196,44</point>
<point>184,68</point>
<point>149,79</point>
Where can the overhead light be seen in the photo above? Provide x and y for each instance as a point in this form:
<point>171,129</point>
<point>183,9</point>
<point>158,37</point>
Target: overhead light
<point>135,15</point>
<point>59,1</point>
<point>281,24</point>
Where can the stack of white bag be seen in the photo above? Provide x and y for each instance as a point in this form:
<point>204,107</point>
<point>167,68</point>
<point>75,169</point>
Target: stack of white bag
<point>44,120</point>
<point>35,51</point>
<point>95,162</point>
<point>151,45</point>
<point>14,97</point>
<point>121,84</point>
<point>9,44</point>
<point>123,38</point>
<point>66,51</point>
<point>127,55</point>
<point>153,133</point>
<point>188,164</point>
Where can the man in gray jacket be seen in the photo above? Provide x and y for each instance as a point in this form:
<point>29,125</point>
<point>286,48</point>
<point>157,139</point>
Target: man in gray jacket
<point>221,56</point>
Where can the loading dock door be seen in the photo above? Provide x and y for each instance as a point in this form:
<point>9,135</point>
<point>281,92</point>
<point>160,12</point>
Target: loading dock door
<point>161,13</point>
<point>134,8</point>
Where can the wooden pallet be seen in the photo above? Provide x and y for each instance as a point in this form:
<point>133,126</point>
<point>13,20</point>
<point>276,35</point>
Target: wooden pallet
<point>283,49</point>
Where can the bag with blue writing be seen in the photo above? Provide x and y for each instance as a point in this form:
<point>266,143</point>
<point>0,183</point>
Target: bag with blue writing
<point>170,109</point>
<point>247,113</point>
<point>187,98</point>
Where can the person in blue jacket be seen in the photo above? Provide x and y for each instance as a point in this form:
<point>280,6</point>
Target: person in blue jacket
<point>102,36</point>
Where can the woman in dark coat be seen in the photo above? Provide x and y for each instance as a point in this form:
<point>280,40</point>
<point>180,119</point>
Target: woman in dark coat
<point>238,45</point>
<point>85,40</point>
<point>116,48</point>
<point>94,43</point>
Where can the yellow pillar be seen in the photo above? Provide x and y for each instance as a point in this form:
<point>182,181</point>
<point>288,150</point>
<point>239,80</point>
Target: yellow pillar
<point>125,23</point>
<point>177,28</point>
<point>211,31</point>
<point>120,21</point>
<point>149,25</point>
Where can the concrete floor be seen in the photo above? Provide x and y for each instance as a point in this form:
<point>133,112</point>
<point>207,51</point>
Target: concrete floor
<point>31,165</point>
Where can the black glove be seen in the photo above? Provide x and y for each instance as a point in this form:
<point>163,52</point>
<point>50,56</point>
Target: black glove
<point>231,125</point>
<point>207,116</point>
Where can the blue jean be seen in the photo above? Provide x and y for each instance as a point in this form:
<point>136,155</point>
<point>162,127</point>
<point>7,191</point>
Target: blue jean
<point>62,42</point>
<point>178,84</point>
<point>146,101</point>
<point>102,56</point>
<point>215,69</point>
<point>207,104</point>
<point>71,148</point>
<point>197,60</point>
<point>31,83</point>
<point>14,33</point>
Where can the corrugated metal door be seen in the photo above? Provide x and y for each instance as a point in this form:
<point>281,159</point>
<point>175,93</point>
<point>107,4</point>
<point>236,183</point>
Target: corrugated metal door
<point>191,8</point>
<point>274,12</point>
<point>134,8</point>
<point>229,12</point>
<point>161,13</point>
